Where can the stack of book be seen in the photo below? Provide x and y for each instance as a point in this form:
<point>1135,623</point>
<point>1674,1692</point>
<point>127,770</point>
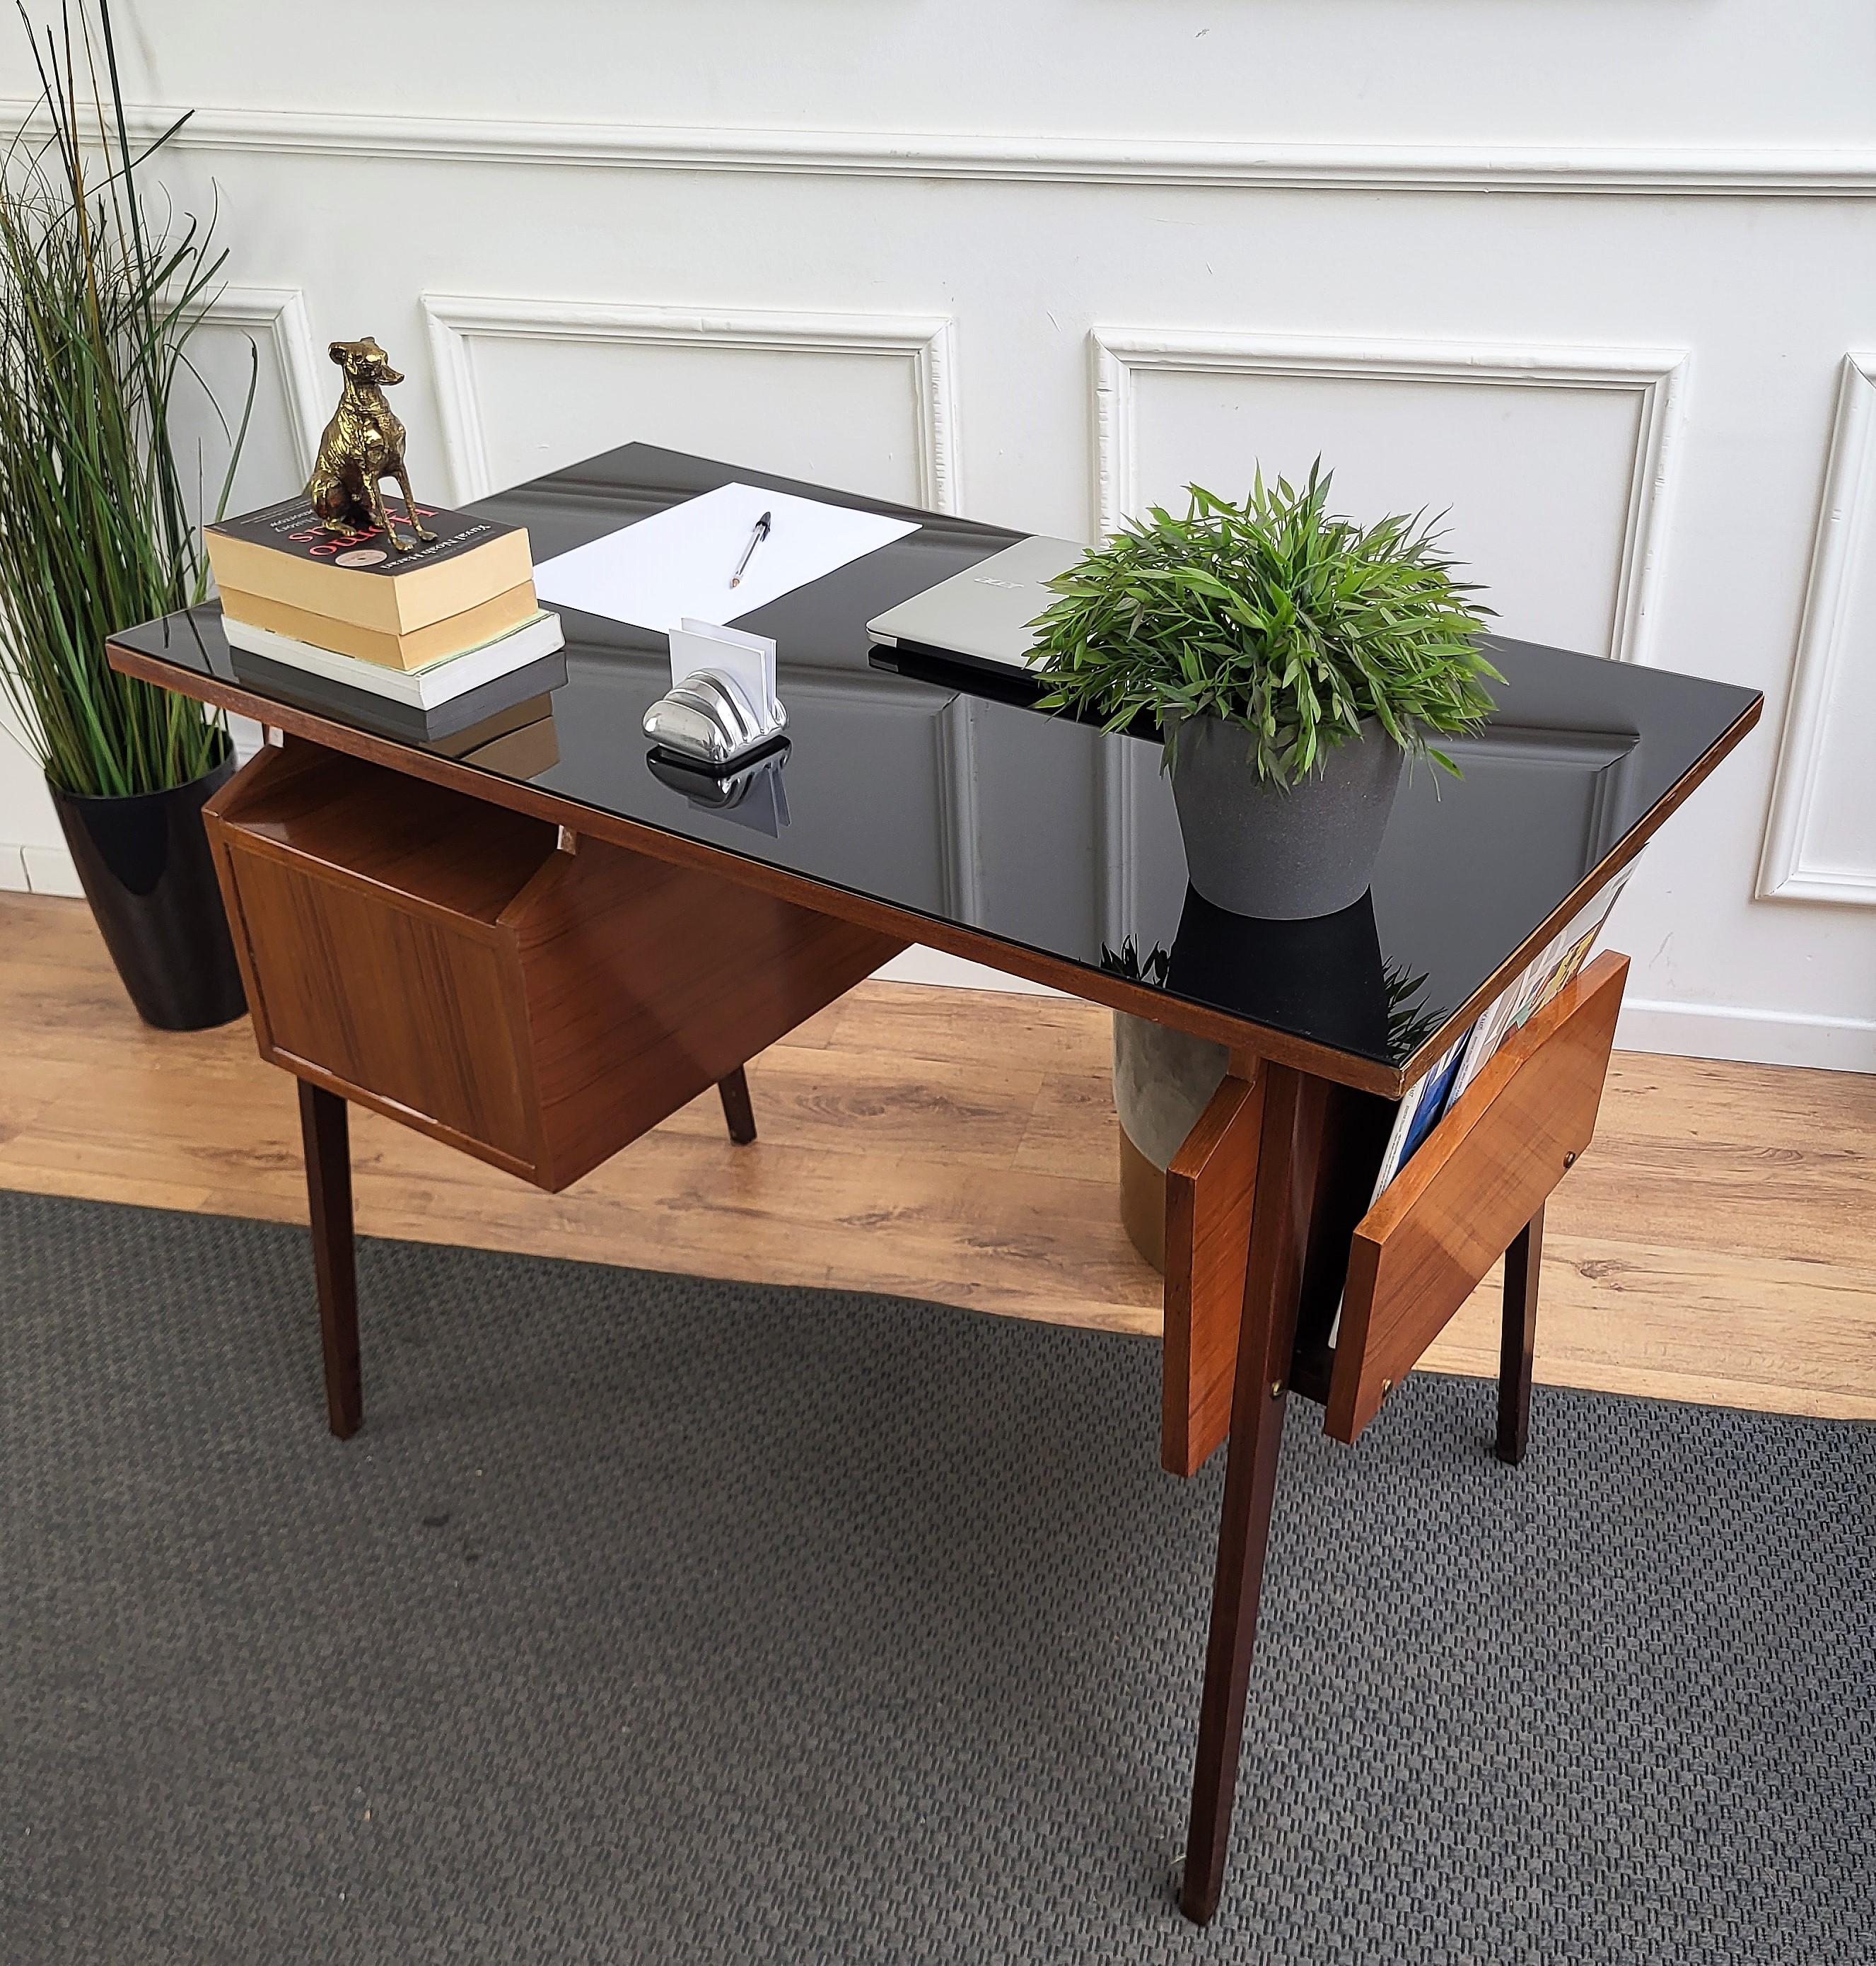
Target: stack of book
<point>419,627</point>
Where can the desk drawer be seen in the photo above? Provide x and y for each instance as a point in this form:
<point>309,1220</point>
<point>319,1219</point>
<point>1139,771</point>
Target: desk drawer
<point>384,994</point>
<point>536,1000</point>
<point>1479,1176</point>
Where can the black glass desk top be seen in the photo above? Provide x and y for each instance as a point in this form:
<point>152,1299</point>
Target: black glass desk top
<point>1043,832</point>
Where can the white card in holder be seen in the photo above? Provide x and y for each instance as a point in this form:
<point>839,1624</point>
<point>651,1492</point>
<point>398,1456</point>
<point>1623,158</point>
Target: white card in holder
<point>722,704</point>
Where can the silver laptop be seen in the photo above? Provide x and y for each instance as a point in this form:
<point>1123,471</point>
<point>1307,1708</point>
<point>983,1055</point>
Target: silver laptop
<point>981,616</point>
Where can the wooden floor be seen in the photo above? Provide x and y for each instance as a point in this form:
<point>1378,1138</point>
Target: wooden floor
<point>1713,1244</point>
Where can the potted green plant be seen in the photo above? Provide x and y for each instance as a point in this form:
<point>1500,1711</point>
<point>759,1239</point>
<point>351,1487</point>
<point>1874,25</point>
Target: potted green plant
<point>1294,660</point>
<point>98,303</point>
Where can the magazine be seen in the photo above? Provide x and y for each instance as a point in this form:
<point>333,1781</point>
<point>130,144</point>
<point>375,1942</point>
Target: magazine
<point>1540,980</point>
<point>1543,976</point>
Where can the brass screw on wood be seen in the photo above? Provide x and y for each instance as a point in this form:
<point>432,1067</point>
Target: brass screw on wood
<point>1276,1389</point>
<point>1569,1160</point>
<point>1387,1386</point>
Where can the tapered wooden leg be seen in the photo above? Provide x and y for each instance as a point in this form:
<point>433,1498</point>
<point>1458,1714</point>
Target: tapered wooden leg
<point>733,1091</point>
<point>323,1133</point>
<point>1289,1142</point>
<point>1523,1261</point>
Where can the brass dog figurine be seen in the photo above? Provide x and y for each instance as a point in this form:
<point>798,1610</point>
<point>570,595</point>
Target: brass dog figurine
<point>363,442</point>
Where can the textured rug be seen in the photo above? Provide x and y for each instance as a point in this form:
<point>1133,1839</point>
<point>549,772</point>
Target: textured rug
<point>651,1620</point>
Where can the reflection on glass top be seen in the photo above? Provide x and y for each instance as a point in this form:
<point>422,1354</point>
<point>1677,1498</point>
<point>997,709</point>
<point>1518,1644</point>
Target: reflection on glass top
<point>1043,832</point>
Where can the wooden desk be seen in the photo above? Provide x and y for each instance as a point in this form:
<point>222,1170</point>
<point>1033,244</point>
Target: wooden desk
<point>497,927</point>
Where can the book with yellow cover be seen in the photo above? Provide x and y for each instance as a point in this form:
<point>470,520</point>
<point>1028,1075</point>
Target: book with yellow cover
<point>415,650</point>
<point>285,554</point>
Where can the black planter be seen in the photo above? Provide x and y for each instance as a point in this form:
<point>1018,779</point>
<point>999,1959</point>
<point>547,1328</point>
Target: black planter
<point>144,864</point>
<point>1320,975</point>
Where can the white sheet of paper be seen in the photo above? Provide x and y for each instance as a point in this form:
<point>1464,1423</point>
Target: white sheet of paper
<point>678,562</point>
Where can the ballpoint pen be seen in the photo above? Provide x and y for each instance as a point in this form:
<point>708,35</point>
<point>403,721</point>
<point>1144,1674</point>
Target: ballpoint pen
<point>758,532</point>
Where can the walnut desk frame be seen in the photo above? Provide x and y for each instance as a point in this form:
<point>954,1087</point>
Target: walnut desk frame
<point>537,980</point>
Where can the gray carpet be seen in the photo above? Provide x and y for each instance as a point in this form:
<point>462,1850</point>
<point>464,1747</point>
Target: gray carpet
<point>658,1620</point>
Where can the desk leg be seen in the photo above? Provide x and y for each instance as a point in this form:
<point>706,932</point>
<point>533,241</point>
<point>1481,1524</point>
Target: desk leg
<point>323,1132</point>
<point>738,1114</point>
<point>1523,1261</point>
<point>1289,1144</point>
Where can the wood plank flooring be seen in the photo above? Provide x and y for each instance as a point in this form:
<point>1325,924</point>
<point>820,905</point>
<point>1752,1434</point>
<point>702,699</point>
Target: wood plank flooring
<point>1713,1244</point>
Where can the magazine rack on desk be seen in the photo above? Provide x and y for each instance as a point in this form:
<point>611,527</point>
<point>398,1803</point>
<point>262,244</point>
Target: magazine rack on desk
<point>1401,1267</point>
<point>1479,1179</point>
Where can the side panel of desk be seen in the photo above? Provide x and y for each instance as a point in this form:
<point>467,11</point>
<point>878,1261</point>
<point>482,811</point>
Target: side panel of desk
<point>1481,1175</point>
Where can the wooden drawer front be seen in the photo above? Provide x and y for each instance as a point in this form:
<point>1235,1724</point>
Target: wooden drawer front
<point>537,1001</point>
<point>644,984</point>
<point>410,1007</point>
<point>1482,1173</point>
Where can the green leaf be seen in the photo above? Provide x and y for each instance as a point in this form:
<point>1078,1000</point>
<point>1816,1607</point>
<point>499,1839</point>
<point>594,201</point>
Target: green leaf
<point>97,307</point>
<point>1277,615</point>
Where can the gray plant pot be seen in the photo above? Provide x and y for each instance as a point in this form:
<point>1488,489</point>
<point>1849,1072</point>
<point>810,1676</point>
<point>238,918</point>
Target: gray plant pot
<point>1287,854</point>
<point>1163,1080</point>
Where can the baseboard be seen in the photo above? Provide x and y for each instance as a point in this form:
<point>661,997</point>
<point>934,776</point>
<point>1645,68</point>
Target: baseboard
<point>1755,1036</point>
<point>47,870</point>
<point>37,870</point>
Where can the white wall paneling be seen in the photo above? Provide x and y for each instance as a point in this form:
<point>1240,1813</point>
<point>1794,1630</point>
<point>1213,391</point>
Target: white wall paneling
<point>294,390</point>
<point>778,406</point>
<point>1713,84</point>
<point>1553,463</point>
<point>302,374</point>
<point>262,333</point>
<point>1820,842</point>
<point>1604,324</point>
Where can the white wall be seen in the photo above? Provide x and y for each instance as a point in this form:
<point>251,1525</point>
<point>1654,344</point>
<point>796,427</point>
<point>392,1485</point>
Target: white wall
<point>1601,275</point>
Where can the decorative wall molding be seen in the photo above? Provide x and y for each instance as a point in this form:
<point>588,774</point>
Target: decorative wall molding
<point>279,314</point>
<point>922,342</point>
<point>1845,519</point>
<point>1653,171</point>
<point>1656,375</point>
